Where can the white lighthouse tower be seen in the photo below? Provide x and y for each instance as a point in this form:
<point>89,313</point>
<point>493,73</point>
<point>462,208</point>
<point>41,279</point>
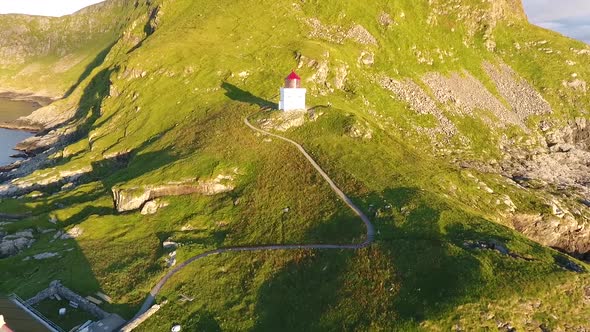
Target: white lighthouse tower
<point>292,95</point>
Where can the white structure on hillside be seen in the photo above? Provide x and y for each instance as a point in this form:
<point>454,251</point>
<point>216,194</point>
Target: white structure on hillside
<point>292,95</point>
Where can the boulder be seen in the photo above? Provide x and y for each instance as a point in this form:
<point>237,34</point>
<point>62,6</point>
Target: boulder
<point>169,244</point>
<point>151,207</point>
<point>45,255</point>
<point>283,121</point>
<point>13,244</point>
<point>72,233</point>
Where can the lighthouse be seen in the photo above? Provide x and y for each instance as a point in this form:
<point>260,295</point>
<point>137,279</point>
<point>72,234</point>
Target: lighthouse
<point>292,94</point>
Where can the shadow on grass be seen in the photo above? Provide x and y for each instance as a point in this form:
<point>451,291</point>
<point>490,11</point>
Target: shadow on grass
<point>416,270</point>
<point>108,172</point>
<point>87,212</point>
<point>75,265</point>
<point>197,238</point>
<point>148,29</point>
<point>302,293</point>
<point>97,61</point>
<point>237,94</point>
<point>26,278</point>
<point>202,320</point>
<point>87,113</point>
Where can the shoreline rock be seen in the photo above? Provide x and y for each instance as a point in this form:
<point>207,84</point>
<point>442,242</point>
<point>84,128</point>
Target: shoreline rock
<point>21,125</point>
<point>27,96</point>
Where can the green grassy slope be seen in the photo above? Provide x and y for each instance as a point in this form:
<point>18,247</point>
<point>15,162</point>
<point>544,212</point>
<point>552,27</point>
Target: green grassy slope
<point>171,95</point>
<point>51,56</point>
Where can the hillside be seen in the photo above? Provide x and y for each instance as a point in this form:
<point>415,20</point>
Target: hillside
<point>459,128</point>
<point>49,56</point>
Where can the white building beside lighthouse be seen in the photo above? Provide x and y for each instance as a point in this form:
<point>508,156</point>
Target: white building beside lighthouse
<point>292,94</point>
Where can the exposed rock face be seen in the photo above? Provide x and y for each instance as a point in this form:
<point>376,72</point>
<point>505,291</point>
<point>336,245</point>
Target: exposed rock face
<point>320,77</point>
<point>37,144</point>
<point>419,101</point>
<point>13,244</point>
<point>359,130</point>
<point>73,233</point>
<point>564,160</point>
<point>466,94</point>
<point>50,116</point>
<point>21,187</point>
<point>283,121</point>
<point>385,19</point>
<point>558,156</point>
<point>130,199</point>
<point>576,134</point>
<point>564,163</point>
<point>340,78</point>
<point>359,34</point>
<point>337,34</point>
<point>577,85</point>
<point>567,233</point>
<point>45,255</point>
<point>366,58</point>
<point>153,206</point>
<point>523,98</point>
<point>561,167</point>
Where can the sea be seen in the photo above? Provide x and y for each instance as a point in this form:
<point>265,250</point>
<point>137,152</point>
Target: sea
<point>11,110</point>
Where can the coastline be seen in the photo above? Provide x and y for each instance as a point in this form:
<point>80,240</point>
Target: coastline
<point>41,100</point>
<point>22,124</point>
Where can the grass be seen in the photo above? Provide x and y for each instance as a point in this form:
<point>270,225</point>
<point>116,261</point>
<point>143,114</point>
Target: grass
<point>173,107</point>
<point>73,317</point>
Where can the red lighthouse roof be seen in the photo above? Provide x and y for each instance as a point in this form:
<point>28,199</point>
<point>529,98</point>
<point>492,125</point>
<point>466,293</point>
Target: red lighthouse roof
<point>293,76</point>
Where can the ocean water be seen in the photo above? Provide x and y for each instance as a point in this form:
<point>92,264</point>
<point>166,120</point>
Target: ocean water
<point>11,110</point>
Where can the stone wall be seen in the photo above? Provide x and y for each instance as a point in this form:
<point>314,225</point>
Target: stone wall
<point>55,287</point>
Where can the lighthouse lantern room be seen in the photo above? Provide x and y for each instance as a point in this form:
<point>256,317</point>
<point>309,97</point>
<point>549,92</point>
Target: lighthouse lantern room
<point>292,94</point>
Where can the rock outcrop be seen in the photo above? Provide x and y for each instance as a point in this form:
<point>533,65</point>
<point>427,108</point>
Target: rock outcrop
<point>283,121</point>
<point>129,199</point>
<point>465,95</point>
<point>563,159</point>
<point>566,233</point>
<point>338,34</point>
<point>24,186</point>
<point>13,244</point>
<point>408,91</point>
<point>151,207</point>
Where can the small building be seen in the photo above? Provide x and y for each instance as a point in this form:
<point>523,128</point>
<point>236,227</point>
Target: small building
<point>292,94</point>
<point>17,316</point>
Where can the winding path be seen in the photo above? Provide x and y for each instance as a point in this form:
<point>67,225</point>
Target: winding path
<point>369,226</point>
